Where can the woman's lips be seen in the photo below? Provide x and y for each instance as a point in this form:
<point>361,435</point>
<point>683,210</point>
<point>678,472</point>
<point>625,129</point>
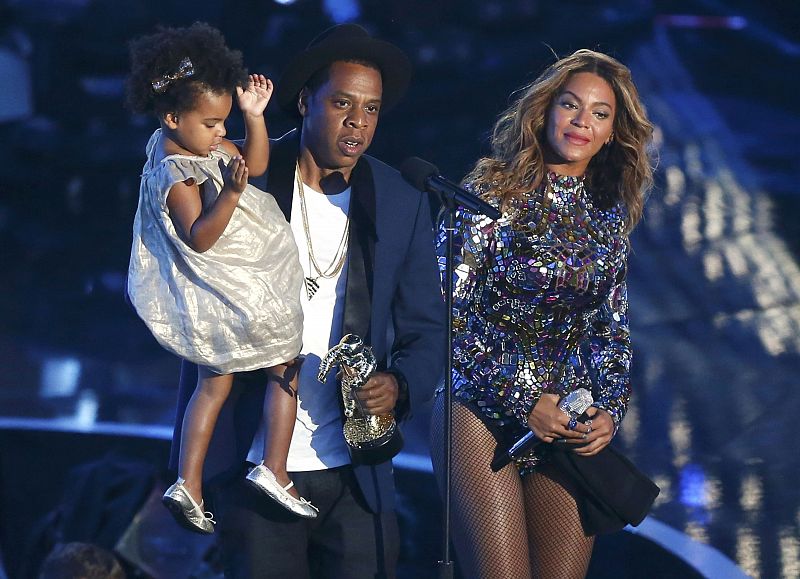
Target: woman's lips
<point>576,139</point>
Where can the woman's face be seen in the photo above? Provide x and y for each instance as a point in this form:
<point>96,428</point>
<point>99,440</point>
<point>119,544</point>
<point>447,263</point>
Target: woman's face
<point>580,121</point>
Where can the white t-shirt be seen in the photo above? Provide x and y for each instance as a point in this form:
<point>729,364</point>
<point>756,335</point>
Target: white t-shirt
<point>317,441</point>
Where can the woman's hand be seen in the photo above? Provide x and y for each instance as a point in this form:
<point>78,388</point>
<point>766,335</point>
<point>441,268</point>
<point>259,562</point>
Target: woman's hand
<point>548,422</point>
<point>599,431</point>
<point>253,101</point>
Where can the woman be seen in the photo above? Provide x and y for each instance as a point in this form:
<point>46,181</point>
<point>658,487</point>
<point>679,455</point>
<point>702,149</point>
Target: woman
<point>541,310</point>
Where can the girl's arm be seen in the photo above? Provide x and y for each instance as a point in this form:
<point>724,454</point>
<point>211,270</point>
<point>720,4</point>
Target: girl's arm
<point>201,230</point>
<point>252,102</point>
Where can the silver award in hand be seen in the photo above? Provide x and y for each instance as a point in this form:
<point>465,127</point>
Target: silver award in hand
<point>371,439</point>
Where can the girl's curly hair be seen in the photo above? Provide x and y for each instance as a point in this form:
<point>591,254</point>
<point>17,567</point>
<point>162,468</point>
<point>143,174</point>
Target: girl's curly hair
<point>217,68</point>
<point>620,173</point>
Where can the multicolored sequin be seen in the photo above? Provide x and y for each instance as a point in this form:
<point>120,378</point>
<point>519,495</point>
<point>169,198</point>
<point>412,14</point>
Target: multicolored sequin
<point>540,304</point>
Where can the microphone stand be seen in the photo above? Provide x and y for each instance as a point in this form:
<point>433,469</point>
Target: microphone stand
<point>446,564</point>
<point>424,176</point>
<point>450,198</point>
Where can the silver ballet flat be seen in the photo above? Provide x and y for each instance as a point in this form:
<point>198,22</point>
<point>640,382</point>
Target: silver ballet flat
<point>187,513</point>
<point>264,480</point>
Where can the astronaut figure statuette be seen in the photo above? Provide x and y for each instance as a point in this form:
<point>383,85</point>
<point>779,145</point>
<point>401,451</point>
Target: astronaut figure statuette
<point>371,439</point>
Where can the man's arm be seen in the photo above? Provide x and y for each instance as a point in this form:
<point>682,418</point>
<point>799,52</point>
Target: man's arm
<point>418,315</point>
<point>416,359</point>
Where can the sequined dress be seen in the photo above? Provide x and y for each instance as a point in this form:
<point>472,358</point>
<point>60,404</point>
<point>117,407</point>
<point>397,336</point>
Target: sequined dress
<point>234,307</point>
<point>540,305</point>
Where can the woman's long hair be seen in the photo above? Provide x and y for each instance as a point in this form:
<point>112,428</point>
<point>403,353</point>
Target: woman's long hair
<point>620,172</point>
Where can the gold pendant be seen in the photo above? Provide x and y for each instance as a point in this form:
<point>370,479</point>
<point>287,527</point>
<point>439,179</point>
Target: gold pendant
<point>311,286</point>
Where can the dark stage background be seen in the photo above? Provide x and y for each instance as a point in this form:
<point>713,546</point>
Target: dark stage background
<point>714,281</point>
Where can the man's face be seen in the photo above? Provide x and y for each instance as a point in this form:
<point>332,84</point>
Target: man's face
<point>340,117</point>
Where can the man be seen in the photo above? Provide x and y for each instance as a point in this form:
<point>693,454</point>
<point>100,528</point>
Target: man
<point>366,245</point>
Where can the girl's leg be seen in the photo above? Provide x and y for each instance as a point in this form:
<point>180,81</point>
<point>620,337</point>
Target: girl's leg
<point>198,426</point>
<point>557,544</point>
<point>280,410</point>
<point>489,530</point>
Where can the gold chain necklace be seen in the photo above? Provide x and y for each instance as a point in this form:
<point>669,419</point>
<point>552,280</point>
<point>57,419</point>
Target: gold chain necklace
<point>312,285</point>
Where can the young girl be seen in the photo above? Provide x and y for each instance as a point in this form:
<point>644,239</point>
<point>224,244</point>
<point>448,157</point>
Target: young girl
<point>214,271</point>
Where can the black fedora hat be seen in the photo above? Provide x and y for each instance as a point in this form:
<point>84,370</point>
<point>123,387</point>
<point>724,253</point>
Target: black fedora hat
<point>345,42</point>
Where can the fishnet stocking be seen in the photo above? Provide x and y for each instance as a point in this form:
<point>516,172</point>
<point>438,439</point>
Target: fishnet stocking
<point>488,516</point>
<point>559,548</point>
<point>505,527</point>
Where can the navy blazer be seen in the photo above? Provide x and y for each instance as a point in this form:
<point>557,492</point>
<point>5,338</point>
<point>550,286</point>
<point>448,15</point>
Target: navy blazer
<point>392,299</point>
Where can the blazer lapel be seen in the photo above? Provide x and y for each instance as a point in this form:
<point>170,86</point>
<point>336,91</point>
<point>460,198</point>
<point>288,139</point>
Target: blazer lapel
<point>361,253</point>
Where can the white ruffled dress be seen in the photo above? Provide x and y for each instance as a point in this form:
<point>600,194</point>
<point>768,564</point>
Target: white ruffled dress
<point>233,308</point>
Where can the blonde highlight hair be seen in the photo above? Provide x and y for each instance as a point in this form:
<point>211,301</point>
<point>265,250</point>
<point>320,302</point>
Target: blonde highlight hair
<point>621,172</point>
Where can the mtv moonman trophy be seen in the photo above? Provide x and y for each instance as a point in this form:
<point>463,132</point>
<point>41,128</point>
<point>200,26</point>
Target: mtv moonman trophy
<point>371,439</point>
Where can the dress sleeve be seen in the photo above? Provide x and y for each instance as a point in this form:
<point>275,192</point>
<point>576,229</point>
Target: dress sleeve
<point>179,169</point>
<point>611,353</point>
<point>472,237</point>
<point>185,169</point>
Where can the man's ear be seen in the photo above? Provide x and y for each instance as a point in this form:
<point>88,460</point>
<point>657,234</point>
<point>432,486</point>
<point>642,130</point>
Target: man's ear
<point>170,120</point>
<point>302,102</point>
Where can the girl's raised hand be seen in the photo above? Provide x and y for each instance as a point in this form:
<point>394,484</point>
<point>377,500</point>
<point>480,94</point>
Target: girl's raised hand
<point>253,101</point>
<point>234,175</point>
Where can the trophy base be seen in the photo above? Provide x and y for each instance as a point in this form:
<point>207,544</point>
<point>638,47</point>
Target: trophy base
<point>374,450</point>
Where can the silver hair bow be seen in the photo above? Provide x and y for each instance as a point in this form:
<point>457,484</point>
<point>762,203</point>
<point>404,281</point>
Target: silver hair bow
<point>185,70</point>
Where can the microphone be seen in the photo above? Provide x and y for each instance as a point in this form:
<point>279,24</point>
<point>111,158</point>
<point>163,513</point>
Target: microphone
<point>573,404</point>
<point>425,177</point>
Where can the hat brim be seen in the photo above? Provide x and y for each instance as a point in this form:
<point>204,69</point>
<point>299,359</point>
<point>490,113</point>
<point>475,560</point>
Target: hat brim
<point>394,65</point>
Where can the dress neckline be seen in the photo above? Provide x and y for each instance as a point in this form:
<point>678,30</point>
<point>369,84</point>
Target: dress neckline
<point>563,190</point>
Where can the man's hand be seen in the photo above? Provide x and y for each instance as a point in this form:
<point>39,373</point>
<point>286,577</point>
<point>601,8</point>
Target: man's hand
<point>253,101</point>
<point>379,395</point>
